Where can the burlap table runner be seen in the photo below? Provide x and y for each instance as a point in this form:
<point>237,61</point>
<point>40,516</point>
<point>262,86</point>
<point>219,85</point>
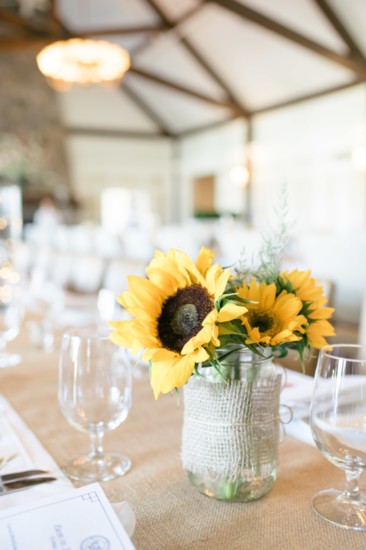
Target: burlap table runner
<point>171,514</point>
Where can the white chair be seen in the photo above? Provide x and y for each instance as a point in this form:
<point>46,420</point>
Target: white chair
<point>42,261</point>
<point>184,238</point>
<point>82,238</point>
<point>137,245</point>
<point>107,244</point>
<point>117,271</point>
<point>86,274</point>
<point>61,269</point>
<point>22,256</point>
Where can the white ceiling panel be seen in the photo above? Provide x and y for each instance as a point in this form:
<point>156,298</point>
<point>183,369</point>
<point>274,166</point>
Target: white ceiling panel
<point>128,41</point>
<point>303,16</point>
<point>91,14</point>
<point>260,67</point>
<point>101,108</point>
<point>168,58</point>
<point>178,111</point>
<point>353,15</point>
<point>175,10</point>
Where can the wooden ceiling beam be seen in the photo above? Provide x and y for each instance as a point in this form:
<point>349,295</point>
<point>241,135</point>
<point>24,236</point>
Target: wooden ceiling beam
<point>206,127</point>
<point>184,90</point>
<point>32,39</point>
<point>198,57</point>
<point>18,43</point>
<point>307,97</point>
<point>53,19</point>
<point>240,109</point>
<point>15,20</point>
<point>168,26</point>
<point>121,30</point>
<point>339,27</point>
<point>108,133</point>
<point>145,108</point>
<point>56,22</point>
<point>285,32</point>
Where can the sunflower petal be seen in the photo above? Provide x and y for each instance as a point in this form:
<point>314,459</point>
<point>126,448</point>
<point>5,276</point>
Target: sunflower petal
<point>175,373</point>
<point>204,259</point>
<point>230,312</point>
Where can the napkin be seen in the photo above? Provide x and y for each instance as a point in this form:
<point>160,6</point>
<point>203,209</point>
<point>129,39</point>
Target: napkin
<point>297,391</point>
<point>296,395</point>
<point>17,439</point>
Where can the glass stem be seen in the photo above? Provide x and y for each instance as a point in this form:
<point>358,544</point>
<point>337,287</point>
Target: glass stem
<point>352,490</point>
<point>96,443</point>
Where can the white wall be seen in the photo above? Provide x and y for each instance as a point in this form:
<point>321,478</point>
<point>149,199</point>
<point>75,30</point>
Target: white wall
<point>97,163</point>
<point>213,152</point>
<point>308,146</point>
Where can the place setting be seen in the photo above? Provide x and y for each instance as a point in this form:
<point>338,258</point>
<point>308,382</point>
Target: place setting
<point>33,488</point>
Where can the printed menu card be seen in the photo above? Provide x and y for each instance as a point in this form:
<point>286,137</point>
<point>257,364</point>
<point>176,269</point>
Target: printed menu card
<point>78,519</point>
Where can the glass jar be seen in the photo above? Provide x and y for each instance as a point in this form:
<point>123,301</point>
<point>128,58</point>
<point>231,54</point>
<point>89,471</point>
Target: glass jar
<point>231,427</point>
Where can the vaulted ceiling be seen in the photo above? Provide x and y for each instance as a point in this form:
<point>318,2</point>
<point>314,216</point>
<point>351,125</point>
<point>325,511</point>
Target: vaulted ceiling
<point>196,63</point>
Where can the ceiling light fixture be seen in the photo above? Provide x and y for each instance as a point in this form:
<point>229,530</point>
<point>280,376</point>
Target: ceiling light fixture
<point>239,175</point>
<point>82,62</point>
<point>358,157</point>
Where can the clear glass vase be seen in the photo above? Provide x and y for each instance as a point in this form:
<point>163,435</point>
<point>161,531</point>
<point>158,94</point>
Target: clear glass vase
<point>231,428</point>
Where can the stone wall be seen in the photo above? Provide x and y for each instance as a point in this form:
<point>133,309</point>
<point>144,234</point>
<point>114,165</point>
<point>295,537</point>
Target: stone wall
<point>29,116</point>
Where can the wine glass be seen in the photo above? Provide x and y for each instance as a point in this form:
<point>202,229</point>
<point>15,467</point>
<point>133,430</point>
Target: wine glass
<point>338,423</point>
<point>94,395</point>
<point>11,312</point>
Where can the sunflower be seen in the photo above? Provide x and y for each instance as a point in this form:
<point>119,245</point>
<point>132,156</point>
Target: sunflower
<point>272,320</point>
<point>313,306</point>
<point>174,315</point>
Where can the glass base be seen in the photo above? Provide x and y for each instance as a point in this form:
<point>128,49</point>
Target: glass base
<point>87,469</point>
<point>333,506</point>
<point>9,360</point>
<point>234,491</point>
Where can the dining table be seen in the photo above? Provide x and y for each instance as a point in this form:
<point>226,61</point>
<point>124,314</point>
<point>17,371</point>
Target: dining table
<point>171,514</point>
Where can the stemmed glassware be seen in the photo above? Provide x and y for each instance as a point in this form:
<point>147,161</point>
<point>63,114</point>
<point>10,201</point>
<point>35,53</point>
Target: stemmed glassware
<point>94,396</point>
<point>11,311</point>
<point>338,423</point>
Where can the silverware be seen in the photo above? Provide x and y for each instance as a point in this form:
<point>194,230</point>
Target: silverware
<point>21,475</point>
<point>20,484</point>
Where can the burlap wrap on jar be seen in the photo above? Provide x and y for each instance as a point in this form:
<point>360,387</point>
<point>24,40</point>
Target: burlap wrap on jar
<point>231,429</point>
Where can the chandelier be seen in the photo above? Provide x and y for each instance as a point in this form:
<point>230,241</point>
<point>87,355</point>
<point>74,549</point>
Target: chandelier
<point>82,62</point>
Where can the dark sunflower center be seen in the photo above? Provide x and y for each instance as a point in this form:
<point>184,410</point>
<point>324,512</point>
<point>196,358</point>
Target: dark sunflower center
<point>184,320</point>
<point>182,315</point>
<point>264,321</point>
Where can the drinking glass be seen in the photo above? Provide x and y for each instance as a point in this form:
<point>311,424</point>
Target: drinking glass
<point>11,217</point>
<point>11,312</point>
<point>94,395</point>
<point>338,423</point>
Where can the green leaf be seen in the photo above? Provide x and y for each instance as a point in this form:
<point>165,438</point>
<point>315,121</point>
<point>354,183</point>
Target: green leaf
<point>216,365</point>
